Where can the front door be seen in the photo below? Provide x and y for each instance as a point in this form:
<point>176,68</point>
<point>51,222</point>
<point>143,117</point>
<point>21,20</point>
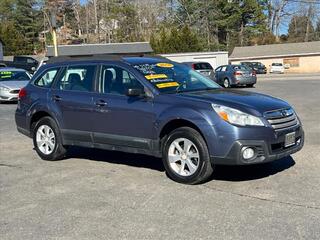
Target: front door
<point>120,119</point>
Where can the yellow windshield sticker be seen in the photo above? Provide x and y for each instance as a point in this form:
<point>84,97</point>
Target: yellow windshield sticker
<point>168,84</point>
<point>156,76</point>
<point>6,73</point>
<point>165,65</point>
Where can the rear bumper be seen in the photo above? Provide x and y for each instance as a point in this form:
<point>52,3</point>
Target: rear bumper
<point>245,80</point>
<point>265,151</point>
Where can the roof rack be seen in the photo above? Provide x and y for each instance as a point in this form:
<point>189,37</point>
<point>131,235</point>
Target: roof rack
<point>114,57</point>
<point>85,57</point>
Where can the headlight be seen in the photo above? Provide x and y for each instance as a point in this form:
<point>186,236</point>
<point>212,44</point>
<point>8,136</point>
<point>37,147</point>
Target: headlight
<point>4,88</point>
<point>236,117</point>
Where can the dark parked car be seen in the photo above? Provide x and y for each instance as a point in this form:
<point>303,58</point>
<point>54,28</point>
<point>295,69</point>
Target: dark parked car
<point>24,62</point>
<point>258,67</point>
<point>204,68</point>
<point>235,75</point>
<point>153,106</point>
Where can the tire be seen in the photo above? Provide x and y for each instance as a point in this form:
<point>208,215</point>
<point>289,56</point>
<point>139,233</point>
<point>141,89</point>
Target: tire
<point>184,168</point>
<point>250,85</point>
<point>47,131</point>
<point>226,83</point>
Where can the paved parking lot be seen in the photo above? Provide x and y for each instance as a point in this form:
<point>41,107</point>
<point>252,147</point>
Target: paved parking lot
<point>97,194</point>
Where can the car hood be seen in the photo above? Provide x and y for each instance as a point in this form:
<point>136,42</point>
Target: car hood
<point>14,84</point>
<point>250,102</point>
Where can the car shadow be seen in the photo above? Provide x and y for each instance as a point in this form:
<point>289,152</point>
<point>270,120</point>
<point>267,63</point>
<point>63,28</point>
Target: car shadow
<point>221,173</point>
<point>129,159</point>
<point>251,172</point>
<point>8,103</point>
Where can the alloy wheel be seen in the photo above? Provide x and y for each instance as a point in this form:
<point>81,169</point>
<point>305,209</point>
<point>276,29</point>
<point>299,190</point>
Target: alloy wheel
<point>183,157</point>
<point>46,139</point>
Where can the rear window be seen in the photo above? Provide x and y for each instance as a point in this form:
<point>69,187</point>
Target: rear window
<point>241,67</point>
<point>14,76</point>
<point>277,64</point>
<point>200,66</point>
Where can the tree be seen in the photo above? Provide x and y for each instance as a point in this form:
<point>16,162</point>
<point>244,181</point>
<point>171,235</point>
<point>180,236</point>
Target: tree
<point>298,29</point>
<point>26,22</point>
<point>13,39</point>
<point>174,40</point>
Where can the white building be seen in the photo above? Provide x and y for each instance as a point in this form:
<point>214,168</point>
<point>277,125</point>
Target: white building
<point>1,50</point>
<point>216,59</point>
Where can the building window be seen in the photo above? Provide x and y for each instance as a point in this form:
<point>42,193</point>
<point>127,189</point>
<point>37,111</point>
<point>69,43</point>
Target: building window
<point>291,62</point>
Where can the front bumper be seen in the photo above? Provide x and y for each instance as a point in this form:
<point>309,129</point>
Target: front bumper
<point>265,150</point>
<point>9,96</point>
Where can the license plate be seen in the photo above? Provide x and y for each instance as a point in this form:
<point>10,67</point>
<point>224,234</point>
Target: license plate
<point>206,73</point>
<point>290,139</point>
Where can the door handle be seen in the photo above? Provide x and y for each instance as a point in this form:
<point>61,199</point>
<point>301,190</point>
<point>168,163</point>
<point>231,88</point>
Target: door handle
<point>56,98</point>
<point>100,103</point>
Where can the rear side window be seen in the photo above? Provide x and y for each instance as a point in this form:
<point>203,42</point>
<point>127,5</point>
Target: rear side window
<point>223,68</point>
<point>47,78</point>
<point>77,78</point>
<point>201,66</point>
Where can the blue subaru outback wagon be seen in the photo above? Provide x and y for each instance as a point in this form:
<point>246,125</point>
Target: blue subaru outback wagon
<point>150,105</point>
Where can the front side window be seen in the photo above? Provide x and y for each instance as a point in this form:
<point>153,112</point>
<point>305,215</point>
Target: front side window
<point>174,77</point>
<point>116,80</point>
<point>47,78</point>
<point>77,78</point>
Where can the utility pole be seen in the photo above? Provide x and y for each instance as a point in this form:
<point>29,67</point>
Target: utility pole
<point>54,31</point>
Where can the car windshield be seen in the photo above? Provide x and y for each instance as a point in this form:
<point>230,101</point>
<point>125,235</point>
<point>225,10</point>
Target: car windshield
<point>200,66</point>
<point>10,75</point>
<point>174,77</point>
<point>277,64</point>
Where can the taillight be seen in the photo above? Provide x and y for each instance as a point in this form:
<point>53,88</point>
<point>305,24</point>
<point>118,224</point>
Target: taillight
<point>193,66</point>
<point>22,93</point>
<point>236,73</point>
<point>254,73</point>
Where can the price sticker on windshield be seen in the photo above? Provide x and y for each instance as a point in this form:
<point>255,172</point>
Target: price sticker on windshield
<point>167,85</point>
<point>165,65</point>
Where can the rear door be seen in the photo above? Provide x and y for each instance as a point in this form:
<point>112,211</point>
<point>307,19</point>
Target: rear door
<point>119,119</point>
<point>71,98</point>
<point>217,74</point>
<point>222,74</point>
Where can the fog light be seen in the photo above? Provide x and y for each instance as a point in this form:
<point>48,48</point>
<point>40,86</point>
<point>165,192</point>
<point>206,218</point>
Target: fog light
<point>247,153</point>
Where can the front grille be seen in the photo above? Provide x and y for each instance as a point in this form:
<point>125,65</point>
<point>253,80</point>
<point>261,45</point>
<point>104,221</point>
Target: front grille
<point>15,91</point>
<point>282,119</point>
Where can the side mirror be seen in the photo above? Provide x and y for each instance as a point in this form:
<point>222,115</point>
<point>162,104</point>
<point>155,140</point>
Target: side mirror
<point>134,92</point>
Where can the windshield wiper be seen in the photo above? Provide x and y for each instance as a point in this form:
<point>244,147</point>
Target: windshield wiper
<point>195,90</point>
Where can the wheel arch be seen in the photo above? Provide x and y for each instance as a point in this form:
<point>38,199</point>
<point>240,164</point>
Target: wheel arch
<point>174,124</point>
<point>37,116</point>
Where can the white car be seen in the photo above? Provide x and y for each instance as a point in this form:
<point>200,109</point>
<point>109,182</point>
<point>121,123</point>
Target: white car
<point>11,81</point>
<point>277,68</point>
